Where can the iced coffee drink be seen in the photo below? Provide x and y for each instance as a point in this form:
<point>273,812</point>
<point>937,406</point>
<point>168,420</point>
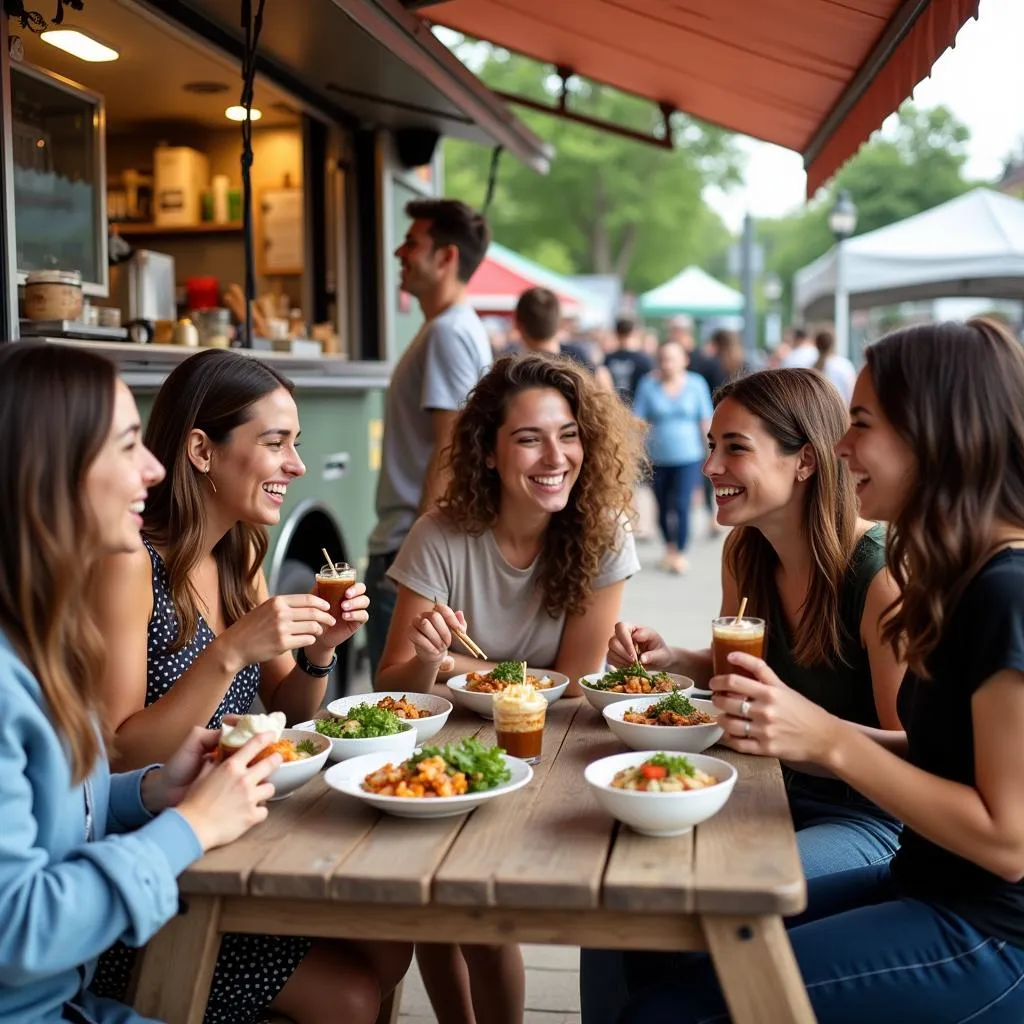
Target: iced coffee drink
<point>519,714</point>
<point>730,634</point>
<point>332,581</point>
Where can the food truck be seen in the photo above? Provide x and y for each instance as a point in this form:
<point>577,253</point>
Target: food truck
<point>122,221</point>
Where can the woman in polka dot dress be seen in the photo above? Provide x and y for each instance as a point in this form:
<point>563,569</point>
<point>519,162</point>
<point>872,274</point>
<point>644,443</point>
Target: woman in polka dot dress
<point>192,635</point>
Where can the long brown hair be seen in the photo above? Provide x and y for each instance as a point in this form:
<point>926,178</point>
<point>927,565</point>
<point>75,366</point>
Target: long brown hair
<point>955,394</point>
<point>825,342</point>
<point>581,534</point>
<point>56,409</point>
<point>212,391</point>
<point>800,407</point>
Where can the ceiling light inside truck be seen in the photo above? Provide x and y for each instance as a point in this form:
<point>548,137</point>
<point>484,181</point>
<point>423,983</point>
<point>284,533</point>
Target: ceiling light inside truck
<point>79,44</point>
<point>238,113</point>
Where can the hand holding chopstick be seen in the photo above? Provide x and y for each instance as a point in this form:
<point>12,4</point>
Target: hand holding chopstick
<point>464,638</point>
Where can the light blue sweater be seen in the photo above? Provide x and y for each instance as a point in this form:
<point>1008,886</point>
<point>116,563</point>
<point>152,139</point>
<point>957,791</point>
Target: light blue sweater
<point>63,900</point>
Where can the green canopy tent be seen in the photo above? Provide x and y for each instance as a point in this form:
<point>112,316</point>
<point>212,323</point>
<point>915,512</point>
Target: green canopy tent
<point>692,292</point>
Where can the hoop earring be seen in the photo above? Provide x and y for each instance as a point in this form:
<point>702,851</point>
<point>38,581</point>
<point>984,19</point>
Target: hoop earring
<point>206,473</point>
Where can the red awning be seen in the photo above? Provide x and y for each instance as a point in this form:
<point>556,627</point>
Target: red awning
<point>816,76</point>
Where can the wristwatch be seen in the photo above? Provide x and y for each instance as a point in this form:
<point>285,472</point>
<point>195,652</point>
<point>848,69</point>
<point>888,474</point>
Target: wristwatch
<point>316,671</point>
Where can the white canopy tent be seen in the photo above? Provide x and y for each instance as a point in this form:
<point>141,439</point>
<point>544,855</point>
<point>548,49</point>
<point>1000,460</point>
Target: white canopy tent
<point>971,246</point>
<point>692,292</point>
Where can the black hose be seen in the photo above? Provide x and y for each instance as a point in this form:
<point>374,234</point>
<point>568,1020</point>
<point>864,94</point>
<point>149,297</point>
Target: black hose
<point>252,28</point>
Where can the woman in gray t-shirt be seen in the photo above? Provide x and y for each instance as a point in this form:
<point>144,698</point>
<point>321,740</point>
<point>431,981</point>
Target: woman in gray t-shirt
<point>532,544</point>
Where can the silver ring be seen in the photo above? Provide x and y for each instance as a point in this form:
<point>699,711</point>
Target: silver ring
<point>745,710</point>
<point>746,729</point>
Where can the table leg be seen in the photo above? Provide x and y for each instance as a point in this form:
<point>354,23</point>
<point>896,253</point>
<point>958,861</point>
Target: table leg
<point>758,973</point>
<point>177,964</point>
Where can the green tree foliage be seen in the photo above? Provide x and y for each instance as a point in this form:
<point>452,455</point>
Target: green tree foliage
<point>894,176</point>
<point>609,204</point>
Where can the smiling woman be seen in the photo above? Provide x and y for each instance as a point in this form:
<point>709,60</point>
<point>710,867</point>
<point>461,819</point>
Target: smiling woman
<point>193,635</point>
<point>532,542</point>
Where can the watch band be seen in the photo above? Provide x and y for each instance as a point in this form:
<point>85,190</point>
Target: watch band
<point>316,671</point>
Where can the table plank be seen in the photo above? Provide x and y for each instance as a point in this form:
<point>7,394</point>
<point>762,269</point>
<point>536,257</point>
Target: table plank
<point>396,861</point>
<point>493,926</point>
<point>331,828</point>
<point>644,873</point>
<point>559,857</point>
<point>747,860</point>
<point>226,871</point>
<point>466,876</point>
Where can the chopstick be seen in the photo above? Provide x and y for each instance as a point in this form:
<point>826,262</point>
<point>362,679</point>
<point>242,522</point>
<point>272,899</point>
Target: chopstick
<point>466,640</point>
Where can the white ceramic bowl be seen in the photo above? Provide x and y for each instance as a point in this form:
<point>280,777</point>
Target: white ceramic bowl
<point>600,699</point>
<point>400,744</point>
<point>690,739</point>
<point>348,778</point>
<point>426,728</point>
<point>481,702</point>
<point>294,774</point>
<point>659,814</point>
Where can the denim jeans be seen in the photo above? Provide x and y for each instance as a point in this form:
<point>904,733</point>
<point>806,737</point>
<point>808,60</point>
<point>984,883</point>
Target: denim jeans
<point>673,491</point>
<point>383,594</point>
<point>865,954</point>
<point>836,830</point>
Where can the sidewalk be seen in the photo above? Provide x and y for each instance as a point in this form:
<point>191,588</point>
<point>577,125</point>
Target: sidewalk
<point>681,609</point>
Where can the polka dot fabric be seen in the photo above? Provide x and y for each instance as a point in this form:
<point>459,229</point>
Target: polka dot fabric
<point>251,969</point>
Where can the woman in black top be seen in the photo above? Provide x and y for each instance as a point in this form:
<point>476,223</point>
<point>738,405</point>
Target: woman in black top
<point>937,446</point>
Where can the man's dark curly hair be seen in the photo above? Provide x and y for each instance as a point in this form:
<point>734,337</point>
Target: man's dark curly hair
<point>600,506</point>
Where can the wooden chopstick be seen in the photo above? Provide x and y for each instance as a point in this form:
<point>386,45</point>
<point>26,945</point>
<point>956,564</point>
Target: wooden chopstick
<point>466,640</point>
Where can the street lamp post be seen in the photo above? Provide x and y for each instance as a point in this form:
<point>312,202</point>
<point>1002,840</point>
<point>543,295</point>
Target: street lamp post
<point>843,221</point>
<point>771,289</point>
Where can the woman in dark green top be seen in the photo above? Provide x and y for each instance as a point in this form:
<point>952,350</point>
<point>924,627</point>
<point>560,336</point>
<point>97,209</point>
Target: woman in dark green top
<point>816,573</point>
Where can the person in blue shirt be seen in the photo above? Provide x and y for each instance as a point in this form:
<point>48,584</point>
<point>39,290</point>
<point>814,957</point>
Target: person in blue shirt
<point>86,857</point>
<point>677,404</point>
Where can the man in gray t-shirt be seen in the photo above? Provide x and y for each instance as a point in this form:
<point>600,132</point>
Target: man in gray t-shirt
<point>443,247</point>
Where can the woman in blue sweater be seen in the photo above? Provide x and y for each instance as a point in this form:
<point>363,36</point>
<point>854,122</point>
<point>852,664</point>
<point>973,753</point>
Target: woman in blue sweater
<point>677,404</point>
<point>86,858</point>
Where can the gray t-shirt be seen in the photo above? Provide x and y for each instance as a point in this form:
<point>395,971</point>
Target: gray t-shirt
<point>438,370</point>
<point>502,604</point>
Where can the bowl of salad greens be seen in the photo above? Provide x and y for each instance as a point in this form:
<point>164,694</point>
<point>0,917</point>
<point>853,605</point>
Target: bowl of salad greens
<point>432,782</point>
<point>363,728</point>
<point>661,792</point>
<point>425,712</point>
<point>604,688</point>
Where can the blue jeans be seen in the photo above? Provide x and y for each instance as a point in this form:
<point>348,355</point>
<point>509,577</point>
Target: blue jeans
<point>673,490</point>
<point>865,954</point>
<point>836,830</point>
<point>383,594</point>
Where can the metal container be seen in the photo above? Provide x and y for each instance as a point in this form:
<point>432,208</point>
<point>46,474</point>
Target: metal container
<point>53,295</point>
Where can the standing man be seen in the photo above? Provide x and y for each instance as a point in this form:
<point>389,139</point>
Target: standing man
<point>803,353</point>
<point>538,320</point>
<point>443,247</point>
<point>626,363</point>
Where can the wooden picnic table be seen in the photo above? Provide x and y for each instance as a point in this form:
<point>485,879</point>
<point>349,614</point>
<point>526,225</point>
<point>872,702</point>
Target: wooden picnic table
<point>542,865</point>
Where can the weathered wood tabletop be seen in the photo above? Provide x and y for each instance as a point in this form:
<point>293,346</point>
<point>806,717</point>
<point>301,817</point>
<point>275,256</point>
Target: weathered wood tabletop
<point>544,864</point>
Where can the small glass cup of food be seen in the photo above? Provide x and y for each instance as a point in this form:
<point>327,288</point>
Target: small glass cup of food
<point>519,716</point>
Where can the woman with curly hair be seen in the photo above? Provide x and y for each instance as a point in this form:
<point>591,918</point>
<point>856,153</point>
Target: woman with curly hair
<point>936,445</point>
<point>532,543</point>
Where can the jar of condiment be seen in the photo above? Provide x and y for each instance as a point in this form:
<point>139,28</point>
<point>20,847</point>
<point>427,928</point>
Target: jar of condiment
<point>185,333</point>
<point>53,295</point>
